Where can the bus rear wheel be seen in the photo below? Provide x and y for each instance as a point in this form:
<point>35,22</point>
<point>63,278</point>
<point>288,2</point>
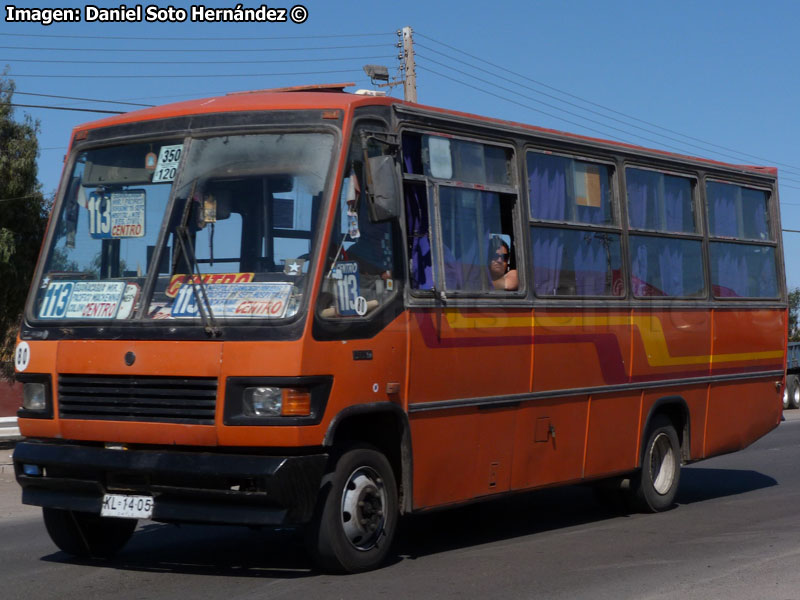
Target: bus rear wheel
<point>87,535</point>
<point>790,381</point>
<point>794,391</point>
<point>356,515</point>
<point>654,487</point>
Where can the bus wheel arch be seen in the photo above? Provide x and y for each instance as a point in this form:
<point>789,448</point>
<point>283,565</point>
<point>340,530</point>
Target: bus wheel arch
<point>359,502</point>
<point>385,427</point>
<point>665,445</point>
<point>676,410</point>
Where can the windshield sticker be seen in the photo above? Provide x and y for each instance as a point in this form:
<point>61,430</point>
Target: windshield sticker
<point>95,299</point>
<point>150,161</point>
<point>293,266</point>
<point>160,310</point>
<point>128,301</point>
<point>236,300</point>
<point>81,300</point>
<point>120,215</point>
<point>208,278</point>
<point>168,160</point>
<point>352,225</point>
<point>347,290</point>
<point>56,299</point>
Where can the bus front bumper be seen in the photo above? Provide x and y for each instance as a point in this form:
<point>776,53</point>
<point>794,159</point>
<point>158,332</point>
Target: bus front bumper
<point>187,486</point>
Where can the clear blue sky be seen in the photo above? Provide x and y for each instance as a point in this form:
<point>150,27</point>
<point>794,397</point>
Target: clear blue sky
<point>721,71</point>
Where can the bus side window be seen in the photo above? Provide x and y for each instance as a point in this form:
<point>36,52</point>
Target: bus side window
<point>475,226</point>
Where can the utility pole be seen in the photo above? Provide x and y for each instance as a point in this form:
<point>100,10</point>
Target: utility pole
<point>410,79</point>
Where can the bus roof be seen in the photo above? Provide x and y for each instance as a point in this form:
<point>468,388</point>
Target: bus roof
<point>334,96</point>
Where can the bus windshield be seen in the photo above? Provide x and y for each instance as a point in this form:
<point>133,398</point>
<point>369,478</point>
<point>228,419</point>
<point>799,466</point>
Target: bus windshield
<point>238,234</point>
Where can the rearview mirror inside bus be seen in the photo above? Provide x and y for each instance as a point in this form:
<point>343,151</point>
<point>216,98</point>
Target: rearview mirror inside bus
<point>384,193</point>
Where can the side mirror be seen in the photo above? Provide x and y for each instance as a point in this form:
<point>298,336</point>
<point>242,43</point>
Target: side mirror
<point>383,197</point>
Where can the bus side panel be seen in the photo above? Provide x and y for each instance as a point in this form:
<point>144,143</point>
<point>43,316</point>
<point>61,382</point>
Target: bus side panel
<point>612,442</point>
<point>740,413</point>
<point>670,344</point>
<point>549,441</point>
<point>580,349</point>
<point>445,456</point>
<point>469,353</point>
<point>748,340</point>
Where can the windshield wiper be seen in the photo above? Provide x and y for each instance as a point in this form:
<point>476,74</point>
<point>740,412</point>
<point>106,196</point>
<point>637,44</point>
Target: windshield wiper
<point>195,277</point>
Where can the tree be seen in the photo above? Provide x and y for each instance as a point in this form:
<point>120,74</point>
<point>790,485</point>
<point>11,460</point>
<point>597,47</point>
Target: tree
<point>22,217</point>
<point>794,310</point>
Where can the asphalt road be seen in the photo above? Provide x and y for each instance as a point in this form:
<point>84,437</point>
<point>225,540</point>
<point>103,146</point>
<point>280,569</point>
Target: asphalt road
<point>735,534</point>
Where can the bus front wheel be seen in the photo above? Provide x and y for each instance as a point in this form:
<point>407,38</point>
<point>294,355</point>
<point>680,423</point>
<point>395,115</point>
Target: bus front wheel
<point>87,535</point>
<point>356,515</point>
<point>655,485</point>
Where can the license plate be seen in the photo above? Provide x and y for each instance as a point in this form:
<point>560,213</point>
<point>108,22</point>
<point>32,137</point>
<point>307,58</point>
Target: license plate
<point>127,507</point>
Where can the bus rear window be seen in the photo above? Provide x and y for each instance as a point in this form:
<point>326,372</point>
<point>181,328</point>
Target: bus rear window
<point>738,212</point>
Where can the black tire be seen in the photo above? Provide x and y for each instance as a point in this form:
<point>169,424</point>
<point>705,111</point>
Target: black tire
<point>790,381</point>
<point>794,391</point>
<point>356,515</point>
<point>654,487</point>
<point>87,535</point>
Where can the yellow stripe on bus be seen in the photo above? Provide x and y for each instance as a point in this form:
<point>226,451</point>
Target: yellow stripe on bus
<point>650,330</point>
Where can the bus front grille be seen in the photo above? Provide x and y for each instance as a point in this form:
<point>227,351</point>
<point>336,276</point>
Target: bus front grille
<point>136,398</point>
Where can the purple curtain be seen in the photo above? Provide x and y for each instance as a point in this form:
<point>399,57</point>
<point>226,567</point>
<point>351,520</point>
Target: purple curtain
<point>760,221</point>
<point>417,217</point>
<point>639,271</point>
<point>637,189</point>
<point>722,201</point>
<point>677,199</point>
<point>548,255</point>
<point>548,186</point>
<point>590,268</point>
<point>670,265</point>
<point>731,274</point>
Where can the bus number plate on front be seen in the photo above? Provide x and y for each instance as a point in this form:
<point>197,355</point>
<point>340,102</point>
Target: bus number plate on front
<point>127,507</point>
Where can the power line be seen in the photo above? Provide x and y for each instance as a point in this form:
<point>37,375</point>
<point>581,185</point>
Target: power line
<point>191,62</point>
<point>480,89</point>
<point>91,110</point>
<point>17,93</point>
<point>182,76</point>
<point>766,160</point>
<point>176,50</point>
<point>604,133</point>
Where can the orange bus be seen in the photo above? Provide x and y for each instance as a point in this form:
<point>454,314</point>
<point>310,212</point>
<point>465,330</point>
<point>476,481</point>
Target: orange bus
<point>404,308</point>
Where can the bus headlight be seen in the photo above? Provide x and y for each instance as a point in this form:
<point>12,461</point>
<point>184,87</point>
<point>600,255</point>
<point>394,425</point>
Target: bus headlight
<point>276,400</point>
<point>34,396</point>
<point>37,396</point>
<point>262,401</point>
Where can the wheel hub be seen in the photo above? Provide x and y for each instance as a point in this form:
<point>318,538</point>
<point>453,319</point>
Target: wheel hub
<point>662,464</point>
<point>363,507</point>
